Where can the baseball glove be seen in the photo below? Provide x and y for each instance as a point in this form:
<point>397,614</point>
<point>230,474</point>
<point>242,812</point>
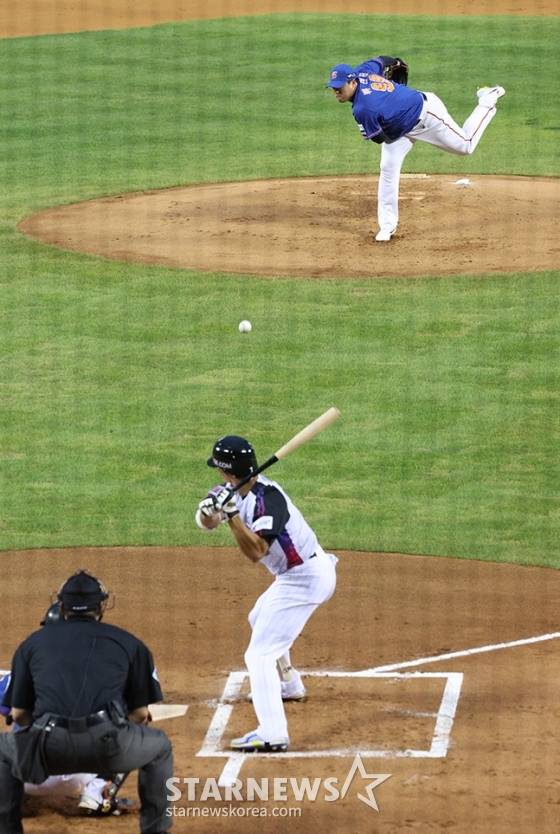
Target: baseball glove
<point>395,70</point>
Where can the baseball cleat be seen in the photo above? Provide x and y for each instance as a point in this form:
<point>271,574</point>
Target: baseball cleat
<point>253,743</point>
<point>385,234</point>
<point>488,96</point>
<point>113,807</point>
<point>297,696</point>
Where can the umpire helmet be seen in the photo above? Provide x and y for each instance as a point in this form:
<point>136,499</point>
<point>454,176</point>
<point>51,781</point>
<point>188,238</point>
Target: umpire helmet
<point>234,455</point>
<point>53,615</point>
<point>81,593</point>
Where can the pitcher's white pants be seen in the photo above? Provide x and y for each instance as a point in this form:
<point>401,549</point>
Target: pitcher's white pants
<point>436,127</point>
<point>277,618</point>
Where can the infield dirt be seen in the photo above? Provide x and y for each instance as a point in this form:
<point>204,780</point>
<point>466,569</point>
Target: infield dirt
<point>191,606</point>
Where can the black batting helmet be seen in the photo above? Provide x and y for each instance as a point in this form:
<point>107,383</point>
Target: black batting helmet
<point>82,592</point>
<point>234,455</point>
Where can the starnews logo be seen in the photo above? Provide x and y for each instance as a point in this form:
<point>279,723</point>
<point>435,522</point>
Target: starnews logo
<point>278,789</point>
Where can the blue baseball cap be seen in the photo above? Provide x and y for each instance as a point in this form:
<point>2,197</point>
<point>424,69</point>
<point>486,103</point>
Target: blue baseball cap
<point>340,75</point>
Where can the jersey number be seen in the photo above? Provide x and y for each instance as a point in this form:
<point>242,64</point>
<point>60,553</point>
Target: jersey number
<point>377,82</point>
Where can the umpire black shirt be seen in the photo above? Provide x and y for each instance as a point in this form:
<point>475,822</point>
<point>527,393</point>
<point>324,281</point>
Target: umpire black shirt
<point>75,667</point>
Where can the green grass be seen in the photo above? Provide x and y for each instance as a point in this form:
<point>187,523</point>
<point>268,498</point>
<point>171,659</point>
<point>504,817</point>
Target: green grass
<point>100,113</point>
<point>116,379</point>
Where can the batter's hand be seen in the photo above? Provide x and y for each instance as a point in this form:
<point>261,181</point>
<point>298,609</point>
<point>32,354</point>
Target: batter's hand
<point>208,516</point>
<point>225,501</point>
<point>208,508</point>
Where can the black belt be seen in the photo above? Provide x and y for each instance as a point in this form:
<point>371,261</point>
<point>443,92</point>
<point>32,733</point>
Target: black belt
<point>424,96</point>
<point>79,725</point>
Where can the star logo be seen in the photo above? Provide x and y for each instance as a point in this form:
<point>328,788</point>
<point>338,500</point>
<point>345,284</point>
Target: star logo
<point>377,779</point>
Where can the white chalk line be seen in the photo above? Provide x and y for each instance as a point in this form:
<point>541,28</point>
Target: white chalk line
<point>232,689</point>
<point>444,721</point>
<point>451,655</point>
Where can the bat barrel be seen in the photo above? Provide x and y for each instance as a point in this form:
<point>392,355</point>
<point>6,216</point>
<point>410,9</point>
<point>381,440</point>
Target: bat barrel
<point>310,431</point>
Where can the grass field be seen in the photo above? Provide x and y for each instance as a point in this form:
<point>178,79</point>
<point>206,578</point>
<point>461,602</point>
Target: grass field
<point>116,378</point>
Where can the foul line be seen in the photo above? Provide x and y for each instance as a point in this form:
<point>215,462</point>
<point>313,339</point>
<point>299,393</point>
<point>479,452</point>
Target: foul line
<point>450,655</point>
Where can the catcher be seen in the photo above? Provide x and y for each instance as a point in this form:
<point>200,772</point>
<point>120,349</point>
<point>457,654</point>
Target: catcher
<point>391,114</point>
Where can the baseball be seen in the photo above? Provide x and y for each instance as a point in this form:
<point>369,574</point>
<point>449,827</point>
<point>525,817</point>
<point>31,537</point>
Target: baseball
<point>244,326</point>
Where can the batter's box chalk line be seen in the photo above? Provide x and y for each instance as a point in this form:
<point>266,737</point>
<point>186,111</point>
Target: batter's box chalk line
<point>212,746</point>
<point>444,717</point>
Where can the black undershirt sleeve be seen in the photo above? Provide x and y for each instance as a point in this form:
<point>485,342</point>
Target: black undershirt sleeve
<point>273,512</point>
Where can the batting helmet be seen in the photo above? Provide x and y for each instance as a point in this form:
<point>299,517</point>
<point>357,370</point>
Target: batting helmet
<point>234,455</point>
<point>82,592</point>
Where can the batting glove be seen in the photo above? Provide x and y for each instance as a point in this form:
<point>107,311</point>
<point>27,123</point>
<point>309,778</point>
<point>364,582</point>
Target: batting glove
<point>208,507</point>
<point>225,501</point>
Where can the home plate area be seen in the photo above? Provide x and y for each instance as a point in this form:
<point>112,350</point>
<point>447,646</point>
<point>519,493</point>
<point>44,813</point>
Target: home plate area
<point>386,715</point>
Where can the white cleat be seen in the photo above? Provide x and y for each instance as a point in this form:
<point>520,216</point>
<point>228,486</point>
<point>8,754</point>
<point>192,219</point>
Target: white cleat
<point>297,696</point>
<point>385,234</point>
<point>488,96</point>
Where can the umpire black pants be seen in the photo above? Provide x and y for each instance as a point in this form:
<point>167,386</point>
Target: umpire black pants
<point>104,749</point>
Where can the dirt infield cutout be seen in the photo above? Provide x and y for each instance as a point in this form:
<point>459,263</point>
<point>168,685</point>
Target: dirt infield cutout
<point>443,672</point>
<point>321,227</point>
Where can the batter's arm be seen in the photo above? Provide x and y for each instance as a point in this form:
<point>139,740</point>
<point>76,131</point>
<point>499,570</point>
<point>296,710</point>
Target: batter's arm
<point>249,543</point>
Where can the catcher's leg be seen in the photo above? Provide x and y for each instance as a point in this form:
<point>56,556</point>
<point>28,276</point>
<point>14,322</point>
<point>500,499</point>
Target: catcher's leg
<point>392,158</point>
<point>70,785</point>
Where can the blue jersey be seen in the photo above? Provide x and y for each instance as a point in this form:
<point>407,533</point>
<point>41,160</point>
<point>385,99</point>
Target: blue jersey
<point>381,105</point>
<point>4,681</point>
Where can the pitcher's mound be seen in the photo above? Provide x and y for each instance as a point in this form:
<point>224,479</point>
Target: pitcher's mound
<point>322,226</point>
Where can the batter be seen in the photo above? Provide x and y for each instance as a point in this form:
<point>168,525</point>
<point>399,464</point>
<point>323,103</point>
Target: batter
<point>396,116</point>
<point>269,528</point>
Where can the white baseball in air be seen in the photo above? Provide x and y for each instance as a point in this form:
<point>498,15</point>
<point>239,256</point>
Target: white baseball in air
<point>244,326</point>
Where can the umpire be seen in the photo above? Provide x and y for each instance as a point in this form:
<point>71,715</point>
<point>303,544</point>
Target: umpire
<point>79,693</point>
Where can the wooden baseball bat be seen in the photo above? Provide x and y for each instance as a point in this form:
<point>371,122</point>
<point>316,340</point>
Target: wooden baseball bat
<point>314,428</point>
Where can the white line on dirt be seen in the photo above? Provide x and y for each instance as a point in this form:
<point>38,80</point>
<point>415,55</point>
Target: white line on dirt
<point>393,667</point>
<point>232,689</point>
<point>446,715</point>
<point>221,716</point>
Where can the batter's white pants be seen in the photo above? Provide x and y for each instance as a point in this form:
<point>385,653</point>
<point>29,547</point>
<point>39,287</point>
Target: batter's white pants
<point>436,127</point>
<point>277,618</point>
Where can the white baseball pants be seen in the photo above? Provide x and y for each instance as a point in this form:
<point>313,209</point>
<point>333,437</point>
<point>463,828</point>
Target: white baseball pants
<point>73,784</point>
<point>436,127</point>
<point>277,618</point>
